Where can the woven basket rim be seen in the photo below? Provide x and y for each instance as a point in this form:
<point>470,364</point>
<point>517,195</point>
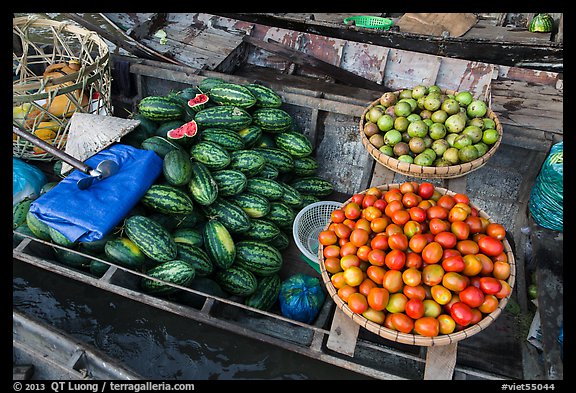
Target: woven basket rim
<point>414,339</point>
<point>447,172</point>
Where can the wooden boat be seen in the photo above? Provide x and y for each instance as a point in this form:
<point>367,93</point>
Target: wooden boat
<point>328,113</point>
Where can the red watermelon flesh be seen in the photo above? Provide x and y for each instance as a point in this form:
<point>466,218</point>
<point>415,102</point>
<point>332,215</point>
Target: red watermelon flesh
<point>187,130</point>
<point>198,101</point>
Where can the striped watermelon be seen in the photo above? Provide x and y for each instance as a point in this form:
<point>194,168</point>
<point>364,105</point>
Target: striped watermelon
<point>202,185</point>
<point>124,252</point>
<point>232,94</point>
<point>167,199</point>
<point>266,294</point>
<point>295,143</point>
<point>261,230</point>
<point>260,258</point>
<point>268,188</point>
<point>158,108</point>
<point>196,257</point>
<point>230,181</point>
<point>228,139</point>
<point>237,281</point>
<point>254,205</point>
<point>248,161</point>
<point>150,237</point>
<point>234,218</point>
<point>278,158</point>
<point>212,155</point>
<point>313,185</point>
<point>265,96</point>
<point>250,135</point>
<point>191,236</point>
<point>273,120</point>
<point>177,168</point>
<point>223,116</point>
<point>172,272</point>
<point>219,244</point>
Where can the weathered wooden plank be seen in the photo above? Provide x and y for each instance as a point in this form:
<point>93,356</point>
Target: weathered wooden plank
<point>440,361</point>
<point>305,60</point>
<point>343,334</point>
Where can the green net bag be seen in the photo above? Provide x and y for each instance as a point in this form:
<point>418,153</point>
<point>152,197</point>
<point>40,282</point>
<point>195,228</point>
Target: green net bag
<point>547,195</point>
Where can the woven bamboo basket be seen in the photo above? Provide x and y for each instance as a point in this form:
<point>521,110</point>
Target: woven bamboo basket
<point>420,171</point>
<point>415,339</point>
<point>43,104</point>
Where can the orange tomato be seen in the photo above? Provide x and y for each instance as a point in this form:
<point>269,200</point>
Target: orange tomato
<point>496,231</point>
<point>392,194</point>
<point>366,285</point>
<point>411,199</point>
<point>392,281</point>
<point>417,242</point>
<point>467,246</point>
<point>359,237</point>
<point>398,241</point>
<point>353,276</point>
<point>378,298</point>
<point>337,280</point>
<point>427,326</point>
<point>377,257</point>
<point>352,211</point>
<point>374,191</point>
<point>412,277</point>
<point>501,270</point>
<point>348,248</point>
<point>342,230</point>
<point>379,242</point>
<point>327,237</point>
<point>349,260</point>
<point>357,302</point>
<point>332,265</point>
<point>402,322</point>
<point>393,206</point>
<point>437,211</point>
<point>379,224</point>
<point>446,201</point>
<point>376,273</point>
<point>337,215</point>
<point>363,252</point>
<point>376,316</point>
<point>417,292</point>
<point>345,291</point>
<point>447,324</point>
<point>331,251</point>
<point>489,305</point>
<point>371,212</point>
<point>432,253</point>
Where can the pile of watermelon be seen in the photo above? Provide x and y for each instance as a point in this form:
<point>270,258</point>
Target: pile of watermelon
<point>236,171</point>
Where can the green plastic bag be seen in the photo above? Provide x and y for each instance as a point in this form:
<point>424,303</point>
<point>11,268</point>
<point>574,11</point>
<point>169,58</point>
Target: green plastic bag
<point>547,196</point>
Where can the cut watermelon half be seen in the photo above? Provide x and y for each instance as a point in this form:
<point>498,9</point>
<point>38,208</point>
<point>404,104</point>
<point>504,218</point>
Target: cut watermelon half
<point>183,133</point>
<point>198,102</point>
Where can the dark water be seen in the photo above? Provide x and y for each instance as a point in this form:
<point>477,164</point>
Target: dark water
<point>154,343</point>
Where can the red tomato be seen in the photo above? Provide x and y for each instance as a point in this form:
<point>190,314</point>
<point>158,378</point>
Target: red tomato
<point>411,199</point>
<point>490,304</point>
<point>414,308</point>
<point>397,303</point>
<point>437,225</point>
<point>412,277</point>
<point>332,265</point>
<point>467,246</point>
<point>395,259</point>
<point>447,324</point>
<point>379,224</point>
<point>432,274</point>
<point>352,211</point>
<point>407,187</point>
<point>461,198</point>
<point>446,239</point>
<point>437,211</point>
<point>505,291</point>
<point>400,217</point>
<point>377,257</point>
<point>398,241</point>
<point>378,298</point>
<point>426,190</point>
<point>440,294</point>
<point>357,199</point>
<point>454,263</point>
<point>392,281</point>
<point>327,237</point>
<point>472,265</point>
<point>487,264</point>
<point>370,213</point>
<point>357,302</point>
<point>353,276</point>
<point>393,228</point>
<point>374,315</point>
<point>381,204</point>
<point>461,313</point>
<point>402,322</point>
<point>331,251</point>
<point>417,214</point>
<point>348,248</point>
<point>496,231</point>
<point>457,213</point>
<point>474,223</point>
<point>454,281</point>
<point>359,237</point>
<point>490,285</point>
<point>349,260</point>
<point>432,253</point>
<point>337,215</point>
<point>450,252</point>
<point>446,201</point>
<point>393,206</point>
<point>393,194</point>
<point>471,296</point>
<point>363,252</point>
<point>412,228</point>
<point>413,259</point>
<point>368,200</point>
<point>379,242</point>
<point>418,242</point>
<point>490,246</point>
<point>417,292</point>
<point>460,229</point>
<point>501,270</point>
<point>345,291</point>
<point>476,316</point>
<point>427,326</point>
<point>376,273</point>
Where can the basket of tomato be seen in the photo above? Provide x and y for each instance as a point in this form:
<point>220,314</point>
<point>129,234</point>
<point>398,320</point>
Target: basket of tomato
<point>416,263</point>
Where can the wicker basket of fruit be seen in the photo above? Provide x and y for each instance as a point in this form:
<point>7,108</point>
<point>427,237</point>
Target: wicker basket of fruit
<point>416,264</point>
<point>59,68</point>
<point>428,132</point>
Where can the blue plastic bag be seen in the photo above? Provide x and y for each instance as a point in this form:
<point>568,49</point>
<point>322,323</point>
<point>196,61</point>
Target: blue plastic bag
<point>301,298</point>
<point>88,215</point>
<point>27,180</point>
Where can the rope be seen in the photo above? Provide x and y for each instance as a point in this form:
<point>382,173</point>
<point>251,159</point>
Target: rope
<point>547,195</point>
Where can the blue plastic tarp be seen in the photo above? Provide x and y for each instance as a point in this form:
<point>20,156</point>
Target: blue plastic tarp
<point>88,215</point>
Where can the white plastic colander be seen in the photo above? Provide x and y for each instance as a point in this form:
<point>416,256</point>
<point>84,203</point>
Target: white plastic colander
<point>308,224</point>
